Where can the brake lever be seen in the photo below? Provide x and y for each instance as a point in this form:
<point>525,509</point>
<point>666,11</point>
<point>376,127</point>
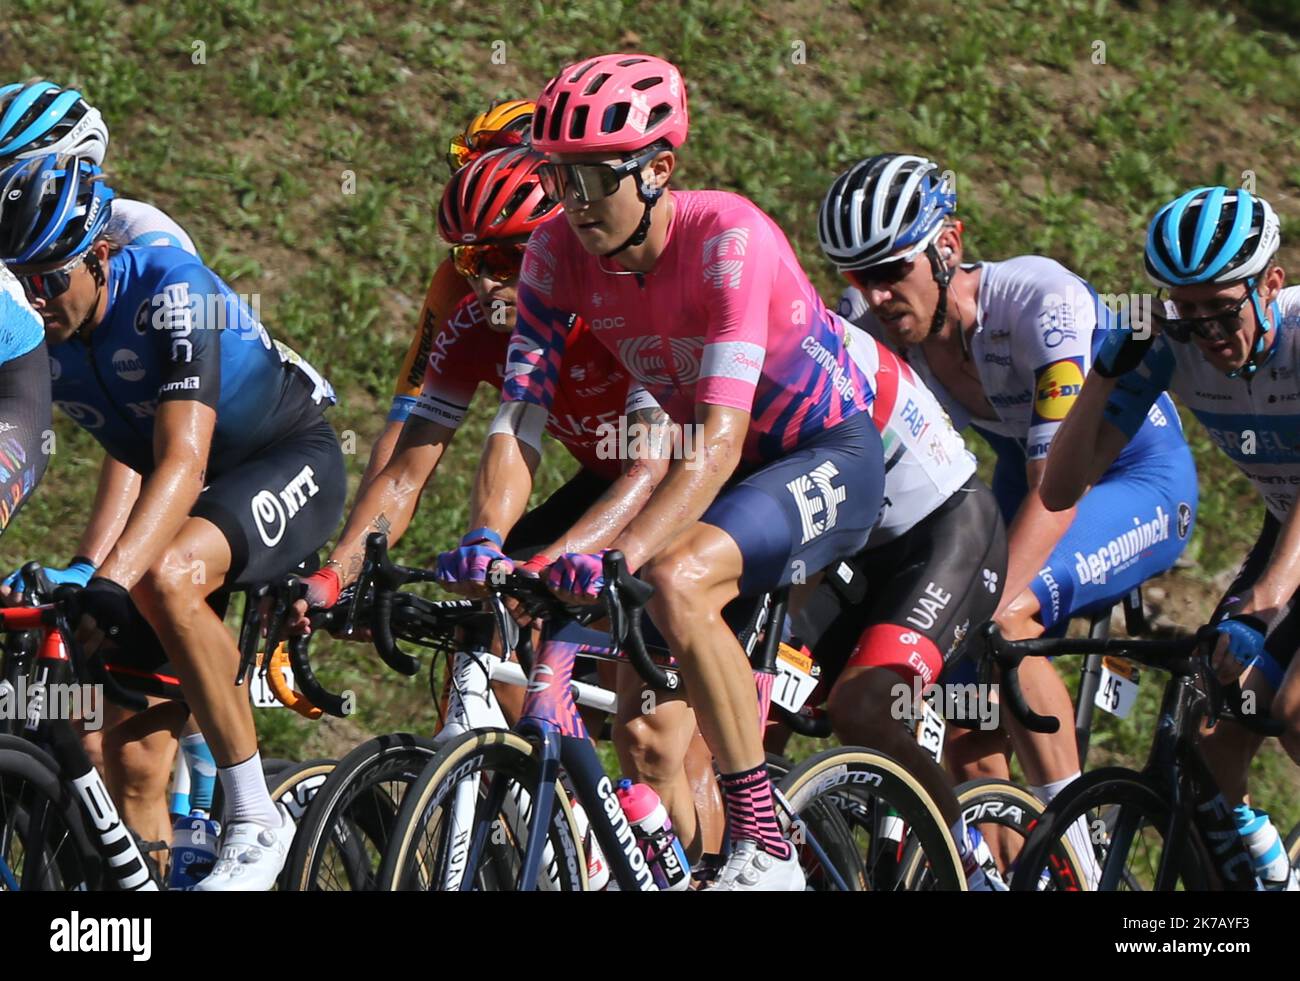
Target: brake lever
<point>250,633</point>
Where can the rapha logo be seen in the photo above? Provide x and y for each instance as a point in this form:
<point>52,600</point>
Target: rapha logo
<point>272,512</point>
<point>817,499</point>
<point>724,257</point>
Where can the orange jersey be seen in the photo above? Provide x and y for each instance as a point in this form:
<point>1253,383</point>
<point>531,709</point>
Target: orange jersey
<point>446,290</point>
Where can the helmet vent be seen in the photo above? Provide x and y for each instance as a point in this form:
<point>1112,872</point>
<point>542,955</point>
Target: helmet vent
<point>557,118</point>
<point>596,82</point>
<point>578,125</point>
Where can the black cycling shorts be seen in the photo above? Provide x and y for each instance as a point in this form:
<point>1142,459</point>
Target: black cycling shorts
<point>554,516</point>
<point>275,509</point>
<point>25,409</point>
<point>922,594</point>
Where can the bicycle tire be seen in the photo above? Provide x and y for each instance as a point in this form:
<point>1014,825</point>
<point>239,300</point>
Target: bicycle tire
<point>417,856</point>
<point>41,819</point>
<point>340,842</point>
<point>1104,798</point>
<point>1292,846</point>
<point>843,793</point>
<point>1008,805</point>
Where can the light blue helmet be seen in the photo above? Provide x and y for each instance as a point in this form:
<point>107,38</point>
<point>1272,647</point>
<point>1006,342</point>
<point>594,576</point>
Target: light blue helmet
<point>41,117</point>
<point>1211,235</point>
<point>52,208</point>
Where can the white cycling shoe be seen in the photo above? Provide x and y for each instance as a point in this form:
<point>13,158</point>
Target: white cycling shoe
<point>250,856</point>
<point>750,869</point>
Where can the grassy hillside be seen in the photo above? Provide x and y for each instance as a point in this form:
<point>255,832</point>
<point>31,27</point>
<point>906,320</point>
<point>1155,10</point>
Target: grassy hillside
<point>305,154</point>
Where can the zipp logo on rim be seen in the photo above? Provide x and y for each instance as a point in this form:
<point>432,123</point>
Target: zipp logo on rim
<point>272,512</point>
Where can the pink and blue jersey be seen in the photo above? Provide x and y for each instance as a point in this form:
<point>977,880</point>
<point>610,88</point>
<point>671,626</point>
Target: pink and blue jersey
<point>727,317</point>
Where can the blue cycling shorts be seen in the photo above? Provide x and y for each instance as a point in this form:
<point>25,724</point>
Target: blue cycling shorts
<point>794,516</point>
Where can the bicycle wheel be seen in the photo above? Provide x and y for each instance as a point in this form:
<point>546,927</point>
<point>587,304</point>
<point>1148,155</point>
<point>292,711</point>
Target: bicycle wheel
<point>342,837</point>
<point>43,843</point>
<point>849,810</point>
<point>481,777</point>
<point>1293,847</point>
<point>1126,820</point>
<point>989,804</point>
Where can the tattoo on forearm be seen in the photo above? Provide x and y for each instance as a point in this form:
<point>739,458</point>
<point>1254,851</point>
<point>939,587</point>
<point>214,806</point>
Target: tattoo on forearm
<point>382,524</point>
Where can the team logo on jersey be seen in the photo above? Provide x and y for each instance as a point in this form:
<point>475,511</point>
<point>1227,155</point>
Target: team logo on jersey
<point>272,512</point>
<point>724,258</point>
<point>1184,518</point>
<point>538,269</point>
<point>644,358</point>
<point>817,499</point>
<point>1059,384</point>
<point>143,317</point>
<point>1057,323</point>
<point>127,364</point>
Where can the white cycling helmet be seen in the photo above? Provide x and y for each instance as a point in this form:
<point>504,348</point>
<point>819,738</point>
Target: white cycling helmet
<point>42,118</point>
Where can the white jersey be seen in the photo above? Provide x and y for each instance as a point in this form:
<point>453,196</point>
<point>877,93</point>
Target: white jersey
<point>1033,344</point>
<point>1256,422</point>
<point>21,329</point>
<point>926,460</point>
<point>137,223</point>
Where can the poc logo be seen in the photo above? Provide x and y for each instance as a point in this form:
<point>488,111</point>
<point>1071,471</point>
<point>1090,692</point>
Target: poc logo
<point>606,323</point>
<point>817,499</point>
<point>272,512</point>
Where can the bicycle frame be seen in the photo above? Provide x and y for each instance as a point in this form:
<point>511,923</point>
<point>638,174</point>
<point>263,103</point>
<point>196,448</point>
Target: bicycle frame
<point>111,839</point>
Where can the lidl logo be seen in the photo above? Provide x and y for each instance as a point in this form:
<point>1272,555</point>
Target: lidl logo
<point>1059,384</point>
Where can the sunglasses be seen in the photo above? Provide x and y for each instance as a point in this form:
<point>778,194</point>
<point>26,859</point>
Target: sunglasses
<point>885,274</point>
<point>1215,327</point>
<point>590,182</point>
<point>499,262</point>
<point>462,151</point>
<point>47,286</point>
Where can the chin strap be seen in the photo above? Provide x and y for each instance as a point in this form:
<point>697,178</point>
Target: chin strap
<point>1247,371</point>
<point>650,195</point>
<point>96,270</point>
<point>943,274</point>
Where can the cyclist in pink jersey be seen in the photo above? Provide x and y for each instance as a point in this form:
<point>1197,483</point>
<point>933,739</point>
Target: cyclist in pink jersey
<point>701,299</point>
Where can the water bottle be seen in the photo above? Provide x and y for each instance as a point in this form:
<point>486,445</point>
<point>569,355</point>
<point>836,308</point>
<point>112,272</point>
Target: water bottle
<point>194,850</point>
<point>649,819</point>
<point>597,867</point>
<point>1265,846</point>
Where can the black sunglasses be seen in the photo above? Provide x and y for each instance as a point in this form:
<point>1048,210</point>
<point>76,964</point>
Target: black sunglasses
<point>47,286</point>
<point>590,182</point>
<point>1214,327</point>
<point>886,273</point>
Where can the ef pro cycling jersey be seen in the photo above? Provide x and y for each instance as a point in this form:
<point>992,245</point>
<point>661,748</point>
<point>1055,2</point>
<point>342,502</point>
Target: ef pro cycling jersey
<point>172,330</point>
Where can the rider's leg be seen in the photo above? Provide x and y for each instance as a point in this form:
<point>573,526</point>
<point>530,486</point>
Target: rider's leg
<point>139,749</point>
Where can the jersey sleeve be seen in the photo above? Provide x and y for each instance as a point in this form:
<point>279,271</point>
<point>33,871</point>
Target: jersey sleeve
<point>541,326</point>
<point>446,290</point>
<point>462,354</point>
<point>1055,343</point>
<point>738,264</point>
<point>1136,391</point>
<point>190,311</point>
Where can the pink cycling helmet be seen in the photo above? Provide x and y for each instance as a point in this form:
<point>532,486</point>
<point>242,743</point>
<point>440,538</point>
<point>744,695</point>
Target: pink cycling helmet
<point>616,102</point>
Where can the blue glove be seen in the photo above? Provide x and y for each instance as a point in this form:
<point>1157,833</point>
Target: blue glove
<point>1245,635</point>
<point>1121,351</point>
<point>582,575</point>
<point>478,552</point>
<point>78,573</point>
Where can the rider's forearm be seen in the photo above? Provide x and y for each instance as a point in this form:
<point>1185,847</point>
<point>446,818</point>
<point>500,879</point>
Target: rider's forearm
<point>1083,447</point>
<point>389,501</point>
<point>1281,577</point>
<point>380,454</point>
<point>162,508</point>
<point>503,483</point>
<point>1033,534</point>
<point>688,489</point>
<point>119,488</point>
<point>613,510</point>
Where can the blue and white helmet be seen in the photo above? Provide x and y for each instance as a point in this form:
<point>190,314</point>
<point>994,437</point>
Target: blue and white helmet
<point>1211,235</point>
<point>51,208</point>
<point>887,207</point>
<point>42,118</point>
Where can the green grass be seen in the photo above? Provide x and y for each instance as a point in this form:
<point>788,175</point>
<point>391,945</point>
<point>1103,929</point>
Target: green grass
<point>250,145</point>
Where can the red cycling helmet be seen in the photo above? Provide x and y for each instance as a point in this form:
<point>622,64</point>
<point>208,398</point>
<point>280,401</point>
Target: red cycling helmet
<point>495,196</point>
<point>615,102</point>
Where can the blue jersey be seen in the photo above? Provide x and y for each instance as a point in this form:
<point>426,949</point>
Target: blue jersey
<point>21,329</point>
<point>174,331</point>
